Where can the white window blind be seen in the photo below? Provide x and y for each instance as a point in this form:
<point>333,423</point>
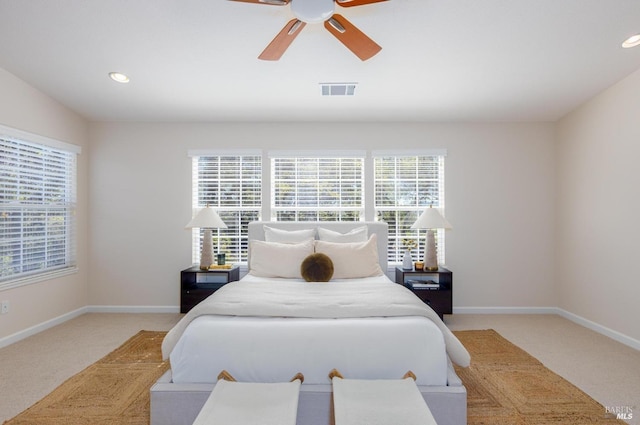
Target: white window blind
<point>37,210</point>
<point>404,186</point>
<point>232,185</point>
<point>317,188</point>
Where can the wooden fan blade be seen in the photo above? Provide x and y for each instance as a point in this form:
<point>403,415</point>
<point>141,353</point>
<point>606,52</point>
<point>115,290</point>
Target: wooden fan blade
<point>349,3</point>
<point>279,44</point>
<point>270,2</point>
<point>354,39</point>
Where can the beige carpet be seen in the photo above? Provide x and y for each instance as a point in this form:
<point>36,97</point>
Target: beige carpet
<point>505,386</point>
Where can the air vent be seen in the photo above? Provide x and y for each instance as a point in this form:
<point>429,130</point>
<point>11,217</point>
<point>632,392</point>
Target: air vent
<point>338,89</point>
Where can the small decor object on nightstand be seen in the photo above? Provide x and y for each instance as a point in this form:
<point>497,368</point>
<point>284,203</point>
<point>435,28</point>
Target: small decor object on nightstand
<point>220,266</point>
<point>431,219</point>
<point>422,284</point>
<point>407,261</point>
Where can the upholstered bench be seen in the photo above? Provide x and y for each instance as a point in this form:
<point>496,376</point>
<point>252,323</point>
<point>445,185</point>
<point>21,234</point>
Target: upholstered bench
<point>250,403</point>
<point>379,402</point>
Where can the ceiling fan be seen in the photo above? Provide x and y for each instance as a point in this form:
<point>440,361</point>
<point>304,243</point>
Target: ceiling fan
<point>316,11</point>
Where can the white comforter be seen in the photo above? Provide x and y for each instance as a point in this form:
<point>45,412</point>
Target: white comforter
<point>316,300</point>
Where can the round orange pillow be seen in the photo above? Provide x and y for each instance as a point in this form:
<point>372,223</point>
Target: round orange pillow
<point>317,268</point>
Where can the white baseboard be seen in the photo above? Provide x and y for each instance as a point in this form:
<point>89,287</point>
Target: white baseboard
<point>8,340</point>
<point>596,327</point>
<point>505,310</point>
<point>132,309</point>
<point>615,335</point>
<point>18,336</point>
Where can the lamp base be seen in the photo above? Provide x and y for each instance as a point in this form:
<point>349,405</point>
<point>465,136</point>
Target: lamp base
<point>206,256</point>
<point>431,258</point>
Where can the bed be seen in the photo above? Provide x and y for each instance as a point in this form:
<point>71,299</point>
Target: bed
<point>267,326</point>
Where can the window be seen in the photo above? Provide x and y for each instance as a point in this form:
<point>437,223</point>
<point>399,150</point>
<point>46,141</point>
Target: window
<point>232,185</point>
<point>390,186</point>
<point>405,186</point>
<point>317,188</point>
<point>37,208</point>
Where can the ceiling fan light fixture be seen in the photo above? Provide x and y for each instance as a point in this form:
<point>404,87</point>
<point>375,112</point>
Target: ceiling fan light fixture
<point>119,77</point>
<point>313,11</point>
<point>632,41</point>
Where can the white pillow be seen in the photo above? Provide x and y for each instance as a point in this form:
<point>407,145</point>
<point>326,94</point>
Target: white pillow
<point>274,259</point>
<point>352,259</point>
<point>272,234</point>
<point>359,234</point>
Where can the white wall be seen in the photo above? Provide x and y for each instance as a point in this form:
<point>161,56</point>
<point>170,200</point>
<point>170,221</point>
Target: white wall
<point>499,198</point>
<point>599,207</point>
<point>25,108</point>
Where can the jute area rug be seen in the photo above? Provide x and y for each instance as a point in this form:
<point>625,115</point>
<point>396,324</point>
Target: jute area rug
<point>112,391</point>
<point>505,385</point>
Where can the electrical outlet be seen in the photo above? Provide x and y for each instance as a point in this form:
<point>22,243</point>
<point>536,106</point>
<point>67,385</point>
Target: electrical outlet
<point>4,307</point>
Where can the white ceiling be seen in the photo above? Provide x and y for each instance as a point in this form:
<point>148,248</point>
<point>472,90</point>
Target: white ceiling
<point>441,60</point>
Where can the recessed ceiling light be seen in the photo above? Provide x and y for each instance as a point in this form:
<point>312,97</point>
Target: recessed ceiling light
<point>632,41</point>
<point>119,77</point>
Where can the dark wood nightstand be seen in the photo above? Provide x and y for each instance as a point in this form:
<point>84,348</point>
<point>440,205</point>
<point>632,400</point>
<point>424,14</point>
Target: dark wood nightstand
<point>439,296</point>
<point>196,284</point>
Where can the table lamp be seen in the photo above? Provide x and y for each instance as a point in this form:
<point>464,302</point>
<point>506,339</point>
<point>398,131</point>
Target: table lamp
<point>206,219</point>
<point>431,219</point>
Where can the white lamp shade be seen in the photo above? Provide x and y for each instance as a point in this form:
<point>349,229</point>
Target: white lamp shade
<point>431,219</point>
<point>206,218</point>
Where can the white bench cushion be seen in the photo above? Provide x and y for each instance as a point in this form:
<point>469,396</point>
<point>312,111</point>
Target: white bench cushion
<point>248,403</point>
<point>379,402</point>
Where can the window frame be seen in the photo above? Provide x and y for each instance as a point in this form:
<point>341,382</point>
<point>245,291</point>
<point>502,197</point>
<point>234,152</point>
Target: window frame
<point>407,213</point>
<point>337,164</point>
<point>44,170</point>
<point>234,239</point>
<point>368,210</point>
